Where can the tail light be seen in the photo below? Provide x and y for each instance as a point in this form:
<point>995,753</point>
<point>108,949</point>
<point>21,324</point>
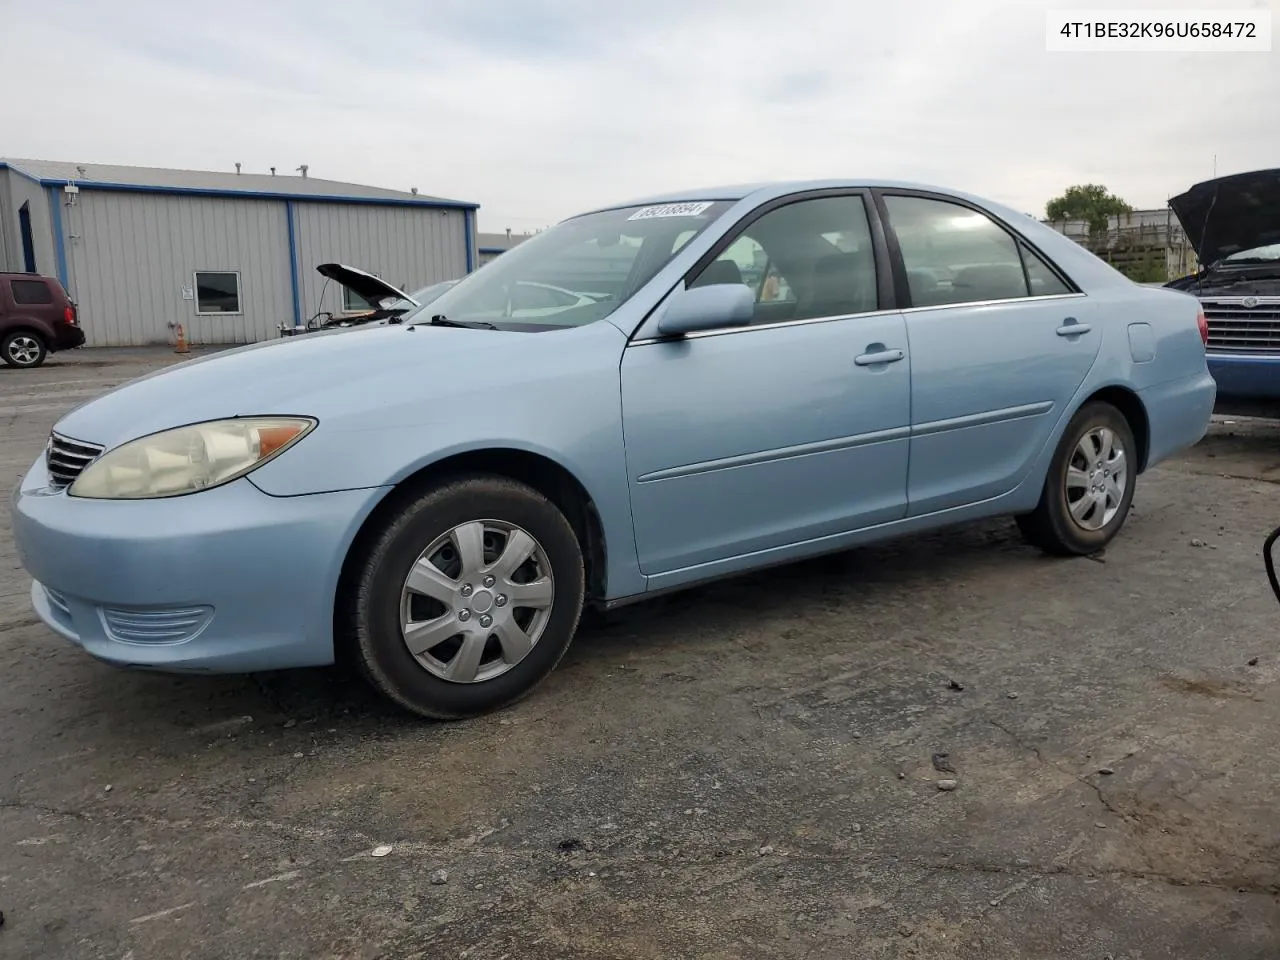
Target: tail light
<point>1203,324</point>
<point>69,315</point>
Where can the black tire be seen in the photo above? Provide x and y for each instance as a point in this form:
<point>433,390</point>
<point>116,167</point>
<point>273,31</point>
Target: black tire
<point>16,349</point>
<point>372,612</point>
<point>1051,526</point>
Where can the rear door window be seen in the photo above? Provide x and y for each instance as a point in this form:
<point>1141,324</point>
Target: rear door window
<point>31,292</point>
<point>954,254</point>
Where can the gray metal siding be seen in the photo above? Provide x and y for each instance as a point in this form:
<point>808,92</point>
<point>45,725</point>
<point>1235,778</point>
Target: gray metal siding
<point>407,247</point>
<point>20,191</point>
<point>134,253</point>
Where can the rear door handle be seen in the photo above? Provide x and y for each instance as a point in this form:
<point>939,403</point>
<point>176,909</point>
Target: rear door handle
<point>882,356</point>
<point>1072,328</point>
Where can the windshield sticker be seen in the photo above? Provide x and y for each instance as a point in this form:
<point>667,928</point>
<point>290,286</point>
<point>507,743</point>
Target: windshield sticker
<point>671,210</point>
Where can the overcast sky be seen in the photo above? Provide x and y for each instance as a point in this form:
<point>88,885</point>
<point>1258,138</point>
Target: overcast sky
<point>538,109</point>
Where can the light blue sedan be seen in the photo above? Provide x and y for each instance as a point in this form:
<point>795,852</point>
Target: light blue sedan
<point>439,499</point>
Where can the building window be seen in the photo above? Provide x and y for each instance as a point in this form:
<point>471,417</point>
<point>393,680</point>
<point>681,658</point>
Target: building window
<point>217,292</point>
<point>352,302</point>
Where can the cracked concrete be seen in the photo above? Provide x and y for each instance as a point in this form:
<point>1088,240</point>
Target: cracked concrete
<point>621,811</point>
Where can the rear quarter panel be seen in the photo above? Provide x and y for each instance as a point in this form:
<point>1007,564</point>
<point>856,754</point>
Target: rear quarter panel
<point>1152,347</point>
<point>1150,337</point>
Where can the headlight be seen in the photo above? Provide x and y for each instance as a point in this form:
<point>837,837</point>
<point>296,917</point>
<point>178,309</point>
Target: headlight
<point>188,459</point>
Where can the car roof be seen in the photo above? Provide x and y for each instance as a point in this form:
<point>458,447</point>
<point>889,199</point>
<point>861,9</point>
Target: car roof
<point>1085,268</point>
<point>764,190</point>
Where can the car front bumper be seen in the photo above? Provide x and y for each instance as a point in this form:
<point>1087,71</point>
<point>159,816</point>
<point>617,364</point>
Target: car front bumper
<point>1246,376</point>
<point>228,580</point>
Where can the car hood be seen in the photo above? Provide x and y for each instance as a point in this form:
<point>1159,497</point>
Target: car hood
<point>386,376</point>
<point>373,289</point>
<point>1223,216</point>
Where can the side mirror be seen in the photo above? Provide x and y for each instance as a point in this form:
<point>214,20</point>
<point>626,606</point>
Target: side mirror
<point>708,308</point>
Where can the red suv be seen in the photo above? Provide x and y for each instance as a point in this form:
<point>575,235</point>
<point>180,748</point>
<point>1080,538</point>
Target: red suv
<point>36,318</point>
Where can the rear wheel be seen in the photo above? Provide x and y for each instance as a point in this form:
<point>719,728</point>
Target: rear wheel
<point>1089,488</point>
<point>467,599</point>
<point>22,348</point>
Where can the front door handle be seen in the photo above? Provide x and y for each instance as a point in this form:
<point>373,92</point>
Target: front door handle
<point>1071,327</point>
<point>880,356</point>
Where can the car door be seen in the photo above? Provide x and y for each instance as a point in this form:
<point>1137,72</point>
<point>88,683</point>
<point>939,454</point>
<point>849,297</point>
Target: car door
<point>793,428</point>
<point>1000,343</point>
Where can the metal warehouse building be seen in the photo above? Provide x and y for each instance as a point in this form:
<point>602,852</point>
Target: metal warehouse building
<point>229,256</point>
<point>493,245</point>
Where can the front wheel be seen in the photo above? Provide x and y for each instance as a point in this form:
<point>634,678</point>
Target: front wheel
<point>1089,488</point>
<point>467,598</point>
<point>23,349</point>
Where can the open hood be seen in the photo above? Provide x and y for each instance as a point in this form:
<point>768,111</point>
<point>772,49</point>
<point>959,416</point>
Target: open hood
<point>1230,214</point>
<point>365,284</point>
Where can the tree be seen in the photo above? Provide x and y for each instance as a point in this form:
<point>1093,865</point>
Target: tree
<point>1150,269</point>
<point>1091,202</point>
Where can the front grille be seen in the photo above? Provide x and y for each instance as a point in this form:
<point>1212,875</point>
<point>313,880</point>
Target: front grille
<point>1243,324</point>
<point>67,458</point>
<point>155,625</point>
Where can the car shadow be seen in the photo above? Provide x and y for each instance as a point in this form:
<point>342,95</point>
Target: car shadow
<point>848,577</point>
<point>120,705</point>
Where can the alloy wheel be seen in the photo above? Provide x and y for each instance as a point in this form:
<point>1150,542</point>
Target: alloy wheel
<point>24,350</point>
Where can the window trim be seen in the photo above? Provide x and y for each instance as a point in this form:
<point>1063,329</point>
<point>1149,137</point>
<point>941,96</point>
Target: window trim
<point>994,303</point>
<point>195,289</point>
<point>886,295</point>
<point>899,265</point>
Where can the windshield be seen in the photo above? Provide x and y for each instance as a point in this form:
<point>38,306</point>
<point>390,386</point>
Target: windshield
<point>577,272</point>
<point>1255,254</point>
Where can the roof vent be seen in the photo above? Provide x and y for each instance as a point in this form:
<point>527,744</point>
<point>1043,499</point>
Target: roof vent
<point>303,169</point>
<point>273,171</point>
<point>80,170</point>
<point>237,169</point>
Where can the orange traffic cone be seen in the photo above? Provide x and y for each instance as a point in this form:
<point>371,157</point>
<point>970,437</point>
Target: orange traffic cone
<point>182,341</point>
